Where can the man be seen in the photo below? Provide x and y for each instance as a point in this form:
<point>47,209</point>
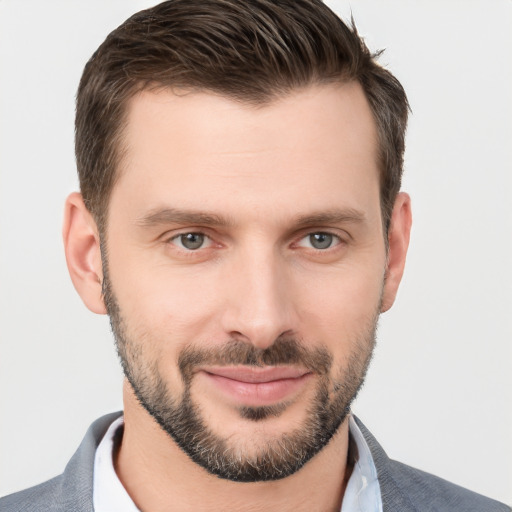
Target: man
<point>241,223</point>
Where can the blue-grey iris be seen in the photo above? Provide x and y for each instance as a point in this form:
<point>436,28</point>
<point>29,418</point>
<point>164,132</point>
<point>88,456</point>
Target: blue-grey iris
<point>321,240</point>
<point>192,241</point>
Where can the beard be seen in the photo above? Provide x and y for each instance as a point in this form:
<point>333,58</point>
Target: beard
<point>181,418</point>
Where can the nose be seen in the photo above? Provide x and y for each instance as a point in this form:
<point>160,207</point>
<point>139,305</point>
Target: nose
<point>259,305</point>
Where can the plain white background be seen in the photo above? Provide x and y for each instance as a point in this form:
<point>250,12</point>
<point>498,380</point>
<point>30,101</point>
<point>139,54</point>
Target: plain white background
<point>439,392</point>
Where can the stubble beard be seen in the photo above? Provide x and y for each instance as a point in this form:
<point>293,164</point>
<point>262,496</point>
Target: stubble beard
<point>181,418</point>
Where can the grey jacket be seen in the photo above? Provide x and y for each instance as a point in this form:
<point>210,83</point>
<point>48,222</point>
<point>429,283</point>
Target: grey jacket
<point>403,489</point>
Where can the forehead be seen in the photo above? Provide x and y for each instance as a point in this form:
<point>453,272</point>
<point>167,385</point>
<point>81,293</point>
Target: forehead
<point>318,143</point>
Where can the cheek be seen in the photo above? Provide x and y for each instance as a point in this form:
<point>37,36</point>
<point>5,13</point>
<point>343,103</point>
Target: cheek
<point>167,305</point>
<point>340,310</point>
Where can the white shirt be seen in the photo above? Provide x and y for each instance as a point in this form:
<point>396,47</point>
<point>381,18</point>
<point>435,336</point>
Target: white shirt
<point>363,490</point>
<point>361,495</point>
<point>108,493</point>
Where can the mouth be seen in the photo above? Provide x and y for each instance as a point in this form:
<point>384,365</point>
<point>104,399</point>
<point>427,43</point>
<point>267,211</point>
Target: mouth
<point>257,387</point>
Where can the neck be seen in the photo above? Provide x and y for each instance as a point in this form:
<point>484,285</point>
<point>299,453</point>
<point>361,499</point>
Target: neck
<point>160,477</point>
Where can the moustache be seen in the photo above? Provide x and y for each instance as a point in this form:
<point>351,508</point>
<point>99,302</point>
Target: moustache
<point>284,351</point>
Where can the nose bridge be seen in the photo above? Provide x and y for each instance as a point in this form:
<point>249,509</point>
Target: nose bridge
<point>260,308</point>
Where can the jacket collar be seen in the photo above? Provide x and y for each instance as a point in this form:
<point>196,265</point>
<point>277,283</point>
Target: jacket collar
<point>77,479</point>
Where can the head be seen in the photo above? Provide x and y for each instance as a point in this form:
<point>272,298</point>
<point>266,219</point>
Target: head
<point>240,221</point>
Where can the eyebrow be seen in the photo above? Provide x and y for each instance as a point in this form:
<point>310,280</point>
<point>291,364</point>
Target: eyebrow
<point>165,216</point>
<point>335,216</point>
<point>176,216</point>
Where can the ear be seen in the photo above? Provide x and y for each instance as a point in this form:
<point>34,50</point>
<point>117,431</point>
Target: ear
<point>83,255</point>
<point>398,243</point>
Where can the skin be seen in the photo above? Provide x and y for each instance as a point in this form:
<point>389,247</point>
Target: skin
<point>264,171</point>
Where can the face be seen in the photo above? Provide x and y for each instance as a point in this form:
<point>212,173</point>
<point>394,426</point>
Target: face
<point>244,267</point>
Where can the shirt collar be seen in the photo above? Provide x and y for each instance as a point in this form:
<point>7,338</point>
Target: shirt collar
<point>109,495</point>
<point>362,493</point>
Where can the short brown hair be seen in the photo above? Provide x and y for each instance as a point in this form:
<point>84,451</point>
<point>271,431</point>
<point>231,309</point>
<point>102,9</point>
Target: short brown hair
<point>250,51</point>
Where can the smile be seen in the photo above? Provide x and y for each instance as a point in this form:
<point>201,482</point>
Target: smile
<point>257,386</point>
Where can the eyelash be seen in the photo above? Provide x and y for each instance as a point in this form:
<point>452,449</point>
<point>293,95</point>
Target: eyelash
<point>335,239</point>
<point>185,249</point>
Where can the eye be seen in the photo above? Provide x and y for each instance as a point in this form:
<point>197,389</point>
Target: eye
<point>319,241</point>
<point>191,241</point>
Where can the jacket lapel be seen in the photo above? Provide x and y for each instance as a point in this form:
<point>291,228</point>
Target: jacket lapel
<point>77,480</point>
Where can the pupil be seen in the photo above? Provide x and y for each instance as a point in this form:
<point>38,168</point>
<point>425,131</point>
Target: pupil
<point>321,240</point>
<point>192,240</point>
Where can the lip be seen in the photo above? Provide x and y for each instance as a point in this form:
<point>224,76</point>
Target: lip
<point>257,386</point>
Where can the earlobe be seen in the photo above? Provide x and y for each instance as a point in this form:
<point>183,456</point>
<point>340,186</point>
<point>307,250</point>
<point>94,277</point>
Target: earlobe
<point>83,254</point>
<point>398,240</point>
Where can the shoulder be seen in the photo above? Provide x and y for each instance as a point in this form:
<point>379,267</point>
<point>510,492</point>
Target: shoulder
<point>34,499</point>
<point>404,488</point>
<point>430,493</point>
<point>71,491</point>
